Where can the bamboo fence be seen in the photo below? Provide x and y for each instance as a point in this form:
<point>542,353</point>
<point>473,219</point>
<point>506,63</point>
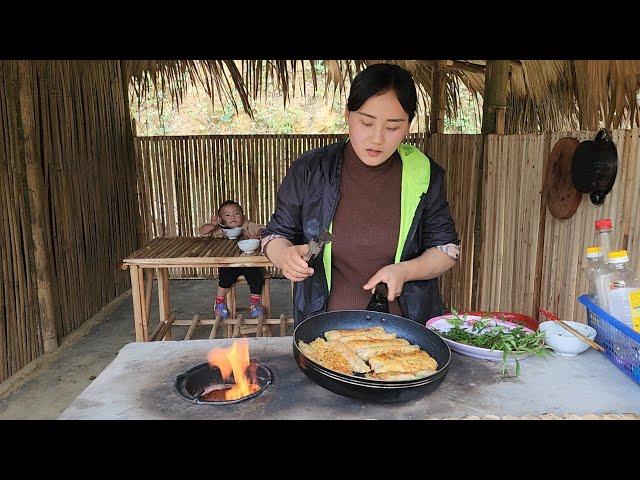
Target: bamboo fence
<point>185,178</point>
<point>80,149</point>
<point>531,260</point>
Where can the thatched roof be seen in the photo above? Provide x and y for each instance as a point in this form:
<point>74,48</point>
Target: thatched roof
<point>544,94</point>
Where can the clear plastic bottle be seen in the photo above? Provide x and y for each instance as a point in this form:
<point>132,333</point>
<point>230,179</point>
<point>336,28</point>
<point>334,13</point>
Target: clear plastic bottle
<point>622,287</point>
<point>594,257</point>
<point>604,232</point>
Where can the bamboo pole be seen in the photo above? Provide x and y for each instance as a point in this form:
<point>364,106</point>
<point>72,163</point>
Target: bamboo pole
<point>36,199</point>
<point>214,329</point>
<point>192,327</point>
<point>496,87</point>
<point>164,303</point>
<point>438,98</point>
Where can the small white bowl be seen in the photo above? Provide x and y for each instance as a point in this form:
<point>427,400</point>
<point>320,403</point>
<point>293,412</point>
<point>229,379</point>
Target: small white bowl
<point>249,246</point>
<point>232,233</point>
<point>563,342</point>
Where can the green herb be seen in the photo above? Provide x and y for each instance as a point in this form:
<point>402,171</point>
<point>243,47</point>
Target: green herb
<point>496,337</point>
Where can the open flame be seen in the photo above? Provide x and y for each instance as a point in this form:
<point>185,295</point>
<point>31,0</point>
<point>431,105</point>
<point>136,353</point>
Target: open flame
<point>235,359</point>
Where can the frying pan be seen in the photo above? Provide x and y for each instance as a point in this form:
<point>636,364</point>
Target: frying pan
<point>594,166</point>
<point>356,385</point>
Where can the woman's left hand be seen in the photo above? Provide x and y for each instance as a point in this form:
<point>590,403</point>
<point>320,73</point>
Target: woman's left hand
<point>393,275</point>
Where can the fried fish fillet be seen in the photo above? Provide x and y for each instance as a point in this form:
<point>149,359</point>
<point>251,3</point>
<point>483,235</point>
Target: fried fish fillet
<point>359,334</point>
<point>363,347</point>
<point>367,353</point>
<point>326,357</point>
<point>396,376</point>
<point>398,362</point>
<point>334,355</point>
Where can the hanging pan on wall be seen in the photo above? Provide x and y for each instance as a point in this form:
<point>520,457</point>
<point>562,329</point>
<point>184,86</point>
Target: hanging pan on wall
<point>594,166</point>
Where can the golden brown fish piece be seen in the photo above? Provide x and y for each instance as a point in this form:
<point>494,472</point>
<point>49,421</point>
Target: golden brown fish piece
<point>327,357</point>
<point>334,355</point>
<point>367,353</point>
<point>397,376</point>
<point>358,334</point>
<point>361,347</point>
<point>398,362</point>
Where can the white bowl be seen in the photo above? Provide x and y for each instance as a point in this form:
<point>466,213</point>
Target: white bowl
<point>232,233</point>
<point>563,342</point>
<point>248,246</point>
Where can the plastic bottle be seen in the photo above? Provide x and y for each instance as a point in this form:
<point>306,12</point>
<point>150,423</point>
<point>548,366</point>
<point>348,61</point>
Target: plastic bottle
<point>622,288</point>
<point>604,232</point>
<point>593,263</point>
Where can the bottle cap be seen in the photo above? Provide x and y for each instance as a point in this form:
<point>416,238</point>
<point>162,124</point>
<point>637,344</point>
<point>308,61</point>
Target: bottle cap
<point>618,256</point>
<point>603,224</point>
<point>594,252</point>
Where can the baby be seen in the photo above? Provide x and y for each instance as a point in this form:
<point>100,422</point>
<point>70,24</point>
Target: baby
<point>231,215</point>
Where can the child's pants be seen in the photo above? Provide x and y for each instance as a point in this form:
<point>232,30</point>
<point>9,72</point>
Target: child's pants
<point>229,275</point>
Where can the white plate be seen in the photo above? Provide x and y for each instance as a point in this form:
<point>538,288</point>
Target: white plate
<point>441,324</point>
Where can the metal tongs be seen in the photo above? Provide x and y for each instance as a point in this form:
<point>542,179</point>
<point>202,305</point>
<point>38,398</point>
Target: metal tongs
<point>315,246</point>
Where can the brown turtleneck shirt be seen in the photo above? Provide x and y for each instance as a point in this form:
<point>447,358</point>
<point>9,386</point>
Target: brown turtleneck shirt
<point>365,229</point>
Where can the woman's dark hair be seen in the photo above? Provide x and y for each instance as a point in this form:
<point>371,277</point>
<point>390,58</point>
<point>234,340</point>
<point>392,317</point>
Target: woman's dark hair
<point>229,202</point>
<point>380,78</point>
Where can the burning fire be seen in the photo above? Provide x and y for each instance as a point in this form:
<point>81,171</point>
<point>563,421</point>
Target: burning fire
<point>235,360</point>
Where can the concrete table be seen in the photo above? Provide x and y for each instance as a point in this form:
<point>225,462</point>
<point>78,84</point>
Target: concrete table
<point>139,384</point>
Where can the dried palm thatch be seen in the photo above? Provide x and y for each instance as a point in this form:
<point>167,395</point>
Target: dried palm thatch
<point>543,95</point>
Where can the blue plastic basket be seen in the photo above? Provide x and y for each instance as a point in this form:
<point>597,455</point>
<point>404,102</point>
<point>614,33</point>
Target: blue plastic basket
<point>620,342</point>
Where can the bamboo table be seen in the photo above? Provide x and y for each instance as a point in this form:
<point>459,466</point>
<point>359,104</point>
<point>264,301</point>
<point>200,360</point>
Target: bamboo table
<point>190,252</point>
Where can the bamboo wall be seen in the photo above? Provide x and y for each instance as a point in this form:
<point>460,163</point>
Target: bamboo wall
<point>531,259</point>
<point>528,258</point>
<point>457,154</point>
<point>186,178</point>
<point>82,147</point>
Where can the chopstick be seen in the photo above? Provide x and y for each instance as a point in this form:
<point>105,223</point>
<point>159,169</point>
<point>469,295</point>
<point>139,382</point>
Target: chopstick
<point>572,330</point>
<point>580,336</point>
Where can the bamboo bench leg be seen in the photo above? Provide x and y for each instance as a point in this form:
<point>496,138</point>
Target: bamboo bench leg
<point>137,290</point>
<point>163,298</point>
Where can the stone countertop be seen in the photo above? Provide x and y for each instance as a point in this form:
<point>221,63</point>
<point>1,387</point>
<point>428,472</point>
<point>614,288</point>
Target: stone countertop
<point>139,384</point>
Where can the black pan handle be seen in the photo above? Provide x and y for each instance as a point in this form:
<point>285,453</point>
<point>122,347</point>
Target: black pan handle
<point>379,301</point>
<point>603,136</point>
<point>597,198</point>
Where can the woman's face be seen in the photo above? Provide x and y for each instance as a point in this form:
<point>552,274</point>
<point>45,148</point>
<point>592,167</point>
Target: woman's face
<point>377,128</point>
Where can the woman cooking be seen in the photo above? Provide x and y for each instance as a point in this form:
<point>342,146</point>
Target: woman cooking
<point>383,201</point>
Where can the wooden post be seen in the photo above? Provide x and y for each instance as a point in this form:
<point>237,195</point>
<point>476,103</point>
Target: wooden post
<point>37,197</point>
<point>164,303</point>
<point>481,179</point>
<point>125,77</point>
<point>141,332</point>
<point>496,82</point>
<point>438,97</point>
<point>496,88</point>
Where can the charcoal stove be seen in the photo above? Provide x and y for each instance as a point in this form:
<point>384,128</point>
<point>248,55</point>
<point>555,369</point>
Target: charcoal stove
<point>204,385</point>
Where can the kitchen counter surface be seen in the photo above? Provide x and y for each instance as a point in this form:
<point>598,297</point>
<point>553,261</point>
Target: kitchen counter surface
<point>139,384</point>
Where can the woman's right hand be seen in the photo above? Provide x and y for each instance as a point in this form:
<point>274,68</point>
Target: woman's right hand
<point>294,267</point>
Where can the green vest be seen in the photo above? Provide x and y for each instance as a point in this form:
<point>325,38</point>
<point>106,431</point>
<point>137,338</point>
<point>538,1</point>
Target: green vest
<point>416,173</point>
